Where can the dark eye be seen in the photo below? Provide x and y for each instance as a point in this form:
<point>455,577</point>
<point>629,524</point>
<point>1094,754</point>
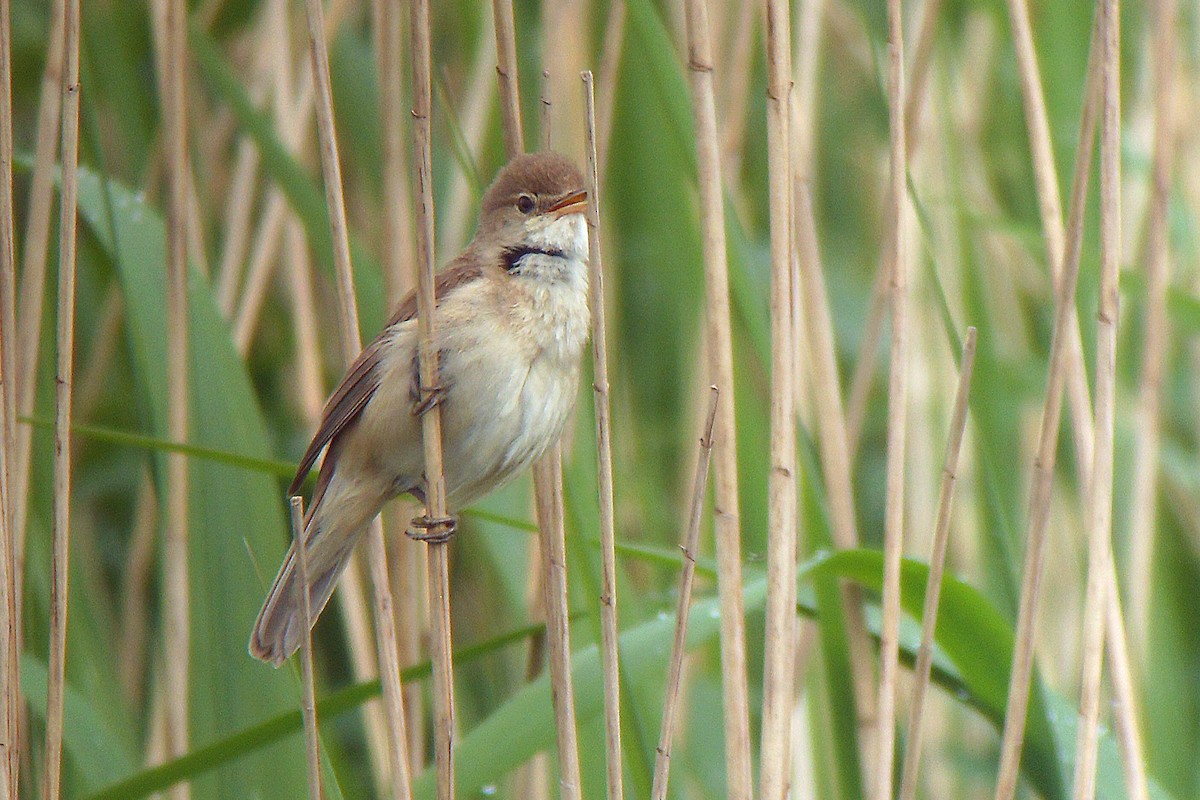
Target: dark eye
<point>525,203</point>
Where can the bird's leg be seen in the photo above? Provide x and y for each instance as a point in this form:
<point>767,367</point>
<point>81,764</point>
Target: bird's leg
<point>433,530</point>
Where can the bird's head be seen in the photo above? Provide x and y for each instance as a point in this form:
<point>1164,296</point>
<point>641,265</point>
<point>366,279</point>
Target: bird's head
<point>535,206</point>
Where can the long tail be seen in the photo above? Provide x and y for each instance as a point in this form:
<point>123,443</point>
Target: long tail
<point>335,524</point>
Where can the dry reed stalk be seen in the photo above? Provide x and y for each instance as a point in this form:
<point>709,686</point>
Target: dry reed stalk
<point>1100,493</point>
<point>475,112</point>
<point>308,708</point>
<point>610,62</point>
<point>176,605</point>
<point>397,204</point>
<point>531,779</point>
<point>565,38</point>
<point>1050,208</point>
<point>308,348</point>
<point>506,75</point>
<point>806,60</point>
<point>735,93</point>
<point>608,557</point>
<point>1143,505</point>
<point>835,455</point>
<point>687,573</point>
<point>10,643</point>
<point>548,474</point>
<point>410,617</point>
<point>1125,707</point>
<point>408,570</point>
<point>919,71</point>
<point>351,345</point>
<point>435,482</point>
<point>780,625</point>
<point>272,49</point>
<point>291,122</point>
<point>290,109</point>
<point>30,305</point>
<point>393,690</point>
<point>893,537</point>
<point>864,370</point>
<point>132,649</point>
<point>62,403</point>
<point>1040,492</point>
<point>719,347</point>
<point>868,353</point>
<point>937,561</point>
<point>546,107</point>
<point>236,225</point>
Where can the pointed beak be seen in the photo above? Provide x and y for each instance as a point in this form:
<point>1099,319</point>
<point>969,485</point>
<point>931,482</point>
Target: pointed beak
<point>574,203</point>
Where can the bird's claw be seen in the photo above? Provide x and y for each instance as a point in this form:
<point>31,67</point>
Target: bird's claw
<point>429,398</point>
<point>432,530</point>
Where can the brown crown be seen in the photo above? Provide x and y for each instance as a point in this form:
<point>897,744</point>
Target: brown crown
<point>546,175</point>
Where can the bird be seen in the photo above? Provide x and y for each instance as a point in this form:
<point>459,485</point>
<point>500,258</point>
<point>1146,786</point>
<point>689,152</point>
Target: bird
<point>510,325</point>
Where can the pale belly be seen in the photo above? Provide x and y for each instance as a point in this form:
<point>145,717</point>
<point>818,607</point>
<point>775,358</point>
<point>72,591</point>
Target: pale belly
<point>497,422</point>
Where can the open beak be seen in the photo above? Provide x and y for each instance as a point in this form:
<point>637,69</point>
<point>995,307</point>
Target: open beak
<point>574,203</point>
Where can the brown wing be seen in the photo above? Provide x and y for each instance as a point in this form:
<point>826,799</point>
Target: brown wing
<point>342,407</point>
<point>361,381</point>
<point>464,270</point>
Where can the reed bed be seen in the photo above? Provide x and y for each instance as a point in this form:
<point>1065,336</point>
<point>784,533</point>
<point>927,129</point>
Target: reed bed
<point>782,197</point>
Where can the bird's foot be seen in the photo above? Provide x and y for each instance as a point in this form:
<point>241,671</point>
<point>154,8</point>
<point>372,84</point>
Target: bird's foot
<point>432,530</point>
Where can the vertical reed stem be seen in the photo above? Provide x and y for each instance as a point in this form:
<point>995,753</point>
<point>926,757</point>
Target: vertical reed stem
<point>937,562</point>
<point>176,543</point>
<point>1143,505</point>
<point>506,74</point>
<point>608,556</point>
<point>780,635</point>
<point>687,573</point>
<point>62,403</point>
<point>10,695</point>
<point>719,347</point>
<point>1040,493</point>
<point>435,482</point>
<point>33,284</point>
<point>309,706</point>
<point>1099,505</point>
<point>351,345</point>
<point>548,474</point>
<point>893,544</point>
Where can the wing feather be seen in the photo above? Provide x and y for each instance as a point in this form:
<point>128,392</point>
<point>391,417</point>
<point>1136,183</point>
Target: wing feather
<point>359,385</point>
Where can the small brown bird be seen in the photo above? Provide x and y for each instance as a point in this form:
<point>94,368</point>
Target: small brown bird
<point>511,323</point>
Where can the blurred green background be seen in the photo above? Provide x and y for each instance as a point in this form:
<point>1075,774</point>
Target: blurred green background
<point>978,258</point>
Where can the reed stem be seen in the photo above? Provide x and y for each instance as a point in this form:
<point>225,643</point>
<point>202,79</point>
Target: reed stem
<point>937,562</point>
<point>893,537</point>
<point>52,780</point>
<point>608,557</point>
<point>687,574</point>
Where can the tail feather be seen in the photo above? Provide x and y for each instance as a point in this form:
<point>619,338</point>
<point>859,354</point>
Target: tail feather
<point>343,506</point>
<point>279,629</point>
